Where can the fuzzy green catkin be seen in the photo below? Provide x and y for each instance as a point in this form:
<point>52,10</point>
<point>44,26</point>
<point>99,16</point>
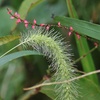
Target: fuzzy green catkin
<point>50,44</point>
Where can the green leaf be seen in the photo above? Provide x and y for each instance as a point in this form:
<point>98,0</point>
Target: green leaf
<point>25,8</point>
<point>86,90</point>
<point>71,9</point>
<point>89,90</point>
<point>80,26</point>
<point>26,5</point>
<point>48,90</point>
<point>12,80</point>
<point>59,7</point>
<point>6,39</point>
<point>82,45</point>
<point>13,56</point>
<point>5,22</point>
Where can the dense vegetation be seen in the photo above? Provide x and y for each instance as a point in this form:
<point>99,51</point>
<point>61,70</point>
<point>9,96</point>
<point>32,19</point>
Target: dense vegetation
<point>35,41</point>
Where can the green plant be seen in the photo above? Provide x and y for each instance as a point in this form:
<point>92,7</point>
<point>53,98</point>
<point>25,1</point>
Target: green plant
<point>58,81</point>
<point>50,45</point>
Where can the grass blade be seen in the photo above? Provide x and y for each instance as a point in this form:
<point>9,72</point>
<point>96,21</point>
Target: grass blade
<point>87,29</point>
<point>15,55</point>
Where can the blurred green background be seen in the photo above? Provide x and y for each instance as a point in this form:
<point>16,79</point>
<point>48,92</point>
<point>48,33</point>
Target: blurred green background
<point>29,70</point>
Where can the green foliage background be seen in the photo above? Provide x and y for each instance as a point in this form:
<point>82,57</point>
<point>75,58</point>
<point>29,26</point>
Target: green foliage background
<point>29,70</point>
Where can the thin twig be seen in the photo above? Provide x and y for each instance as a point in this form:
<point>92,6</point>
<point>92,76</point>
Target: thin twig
<point>85,55</point>
<point>66,81</point>
<point>28,94</point>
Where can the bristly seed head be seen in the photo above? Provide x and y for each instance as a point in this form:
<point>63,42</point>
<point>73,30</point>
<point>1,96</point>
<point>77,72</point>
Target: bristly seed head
<point>49,43</point>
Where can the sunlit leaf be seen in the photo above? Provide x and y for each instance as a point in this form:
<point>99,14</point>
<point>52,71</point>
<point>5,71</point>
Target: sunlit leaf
<point>6,39</point>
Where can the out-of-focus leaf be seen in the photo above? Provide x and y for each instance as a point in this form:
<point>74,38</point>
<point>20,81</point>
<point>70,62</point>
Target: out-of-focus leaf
<point>26,5</point>
<point>88,90</point>
<point>6,39</point>
<point>0,4</point>
<point>15,55</point>
<point>71,9</point>
<point>12,83</point>
<point>25,8</point>
<point>80,26</point>
<point>44,11</point>
<point>5,22</point>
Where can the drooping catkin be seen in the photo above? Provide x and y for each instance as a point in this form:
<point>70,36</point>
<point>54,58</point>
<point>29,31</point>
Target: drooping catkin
<point>50,44</point>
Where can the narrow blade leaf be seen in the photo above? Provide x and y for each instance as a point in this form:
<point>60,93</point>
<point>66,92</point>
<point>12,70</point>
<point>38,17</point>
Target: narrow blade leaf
<point>15,55</point>
<point>80,26</point>
<point>82,45</point>
<point>6,39</point>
